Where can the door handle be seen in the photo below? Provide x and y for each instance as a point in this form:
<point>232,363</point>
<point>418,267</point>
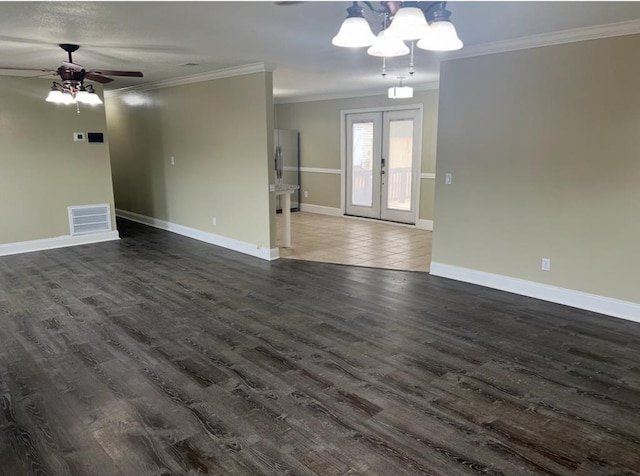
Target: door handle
<point>278,161</point>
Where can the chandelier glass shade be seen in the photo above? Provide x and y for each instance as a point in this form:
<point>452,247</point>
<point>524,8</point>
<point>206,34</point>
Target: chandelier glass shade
<point>442,36</point>
<point>408,23</point>
<point>387,46</point>
<point>355,31</point>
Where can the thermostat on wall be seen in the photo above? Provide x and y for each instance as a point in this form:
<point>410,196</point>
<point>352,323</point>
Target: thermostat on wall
<point>78,136</point>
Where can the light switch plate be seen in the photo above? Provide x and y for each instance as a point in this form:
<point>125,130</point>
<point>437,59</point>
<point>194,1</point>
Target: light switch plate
<point>79,136</point>
<point>448,179</point>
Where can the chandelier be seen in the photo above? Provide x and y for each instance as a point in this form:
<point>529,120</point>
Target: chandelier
<point>423,24</point>
<point>73,92</point>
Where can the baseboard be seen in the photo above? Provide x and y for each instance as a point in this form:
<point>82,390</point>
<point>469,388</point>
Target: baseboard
<point>424,224</point>
<point>57,242</point>
<point>334,212</point>
<point>211,238</point>
<point>590,302</point>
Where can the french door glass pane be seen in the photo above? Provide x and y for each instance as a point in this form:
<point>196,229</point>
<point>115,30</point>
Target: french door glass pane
<point>400,165</point>
<point>362,168</point>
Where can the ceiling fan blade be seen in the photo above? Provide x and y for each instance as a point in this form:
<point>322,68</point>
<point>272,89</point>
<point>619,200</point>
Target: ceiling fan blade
<point>43,75</point>
<point>19,68</point>
<point>108,72</point>
<point>98,78</point>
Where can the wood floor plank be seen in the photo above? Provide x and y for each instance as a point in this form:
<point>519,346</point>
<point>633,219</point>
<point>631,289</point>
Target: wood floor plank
<point>158,354</point>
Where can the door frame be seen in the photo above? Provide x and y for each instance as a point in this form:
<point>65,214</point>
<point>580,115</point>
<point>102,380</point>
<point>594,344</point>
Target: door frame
<point>343,148</point>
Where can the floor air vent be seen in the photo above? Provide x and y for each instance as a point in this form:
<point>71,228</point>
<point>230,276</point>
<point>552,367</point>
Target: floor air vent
<point>88,219</point>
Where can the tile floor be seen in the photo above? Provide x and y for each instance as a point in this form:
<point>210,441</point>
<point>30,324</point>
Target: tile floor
<point>356,241</point>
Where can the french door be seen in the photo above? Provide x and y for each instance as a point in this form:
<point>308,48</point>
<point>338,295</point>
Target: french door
<point>383,164</point>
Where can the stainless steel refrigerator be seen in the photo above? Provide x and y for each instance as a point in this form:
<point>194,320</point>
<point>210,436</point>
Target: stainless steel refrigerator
<point>287,164</point>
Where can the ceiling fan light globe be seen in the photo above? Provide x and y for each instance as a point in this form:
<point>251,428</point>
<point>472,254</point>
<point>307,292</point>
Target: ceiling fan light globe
<point>388,46</point>
<point>88,97</point>
<point>442,36</point>
<point>408,23</point>
<point>59,97</point>
<point>83,97</point>
<point>55,97</point>
<point>355,32</point>
<point>95,99</point>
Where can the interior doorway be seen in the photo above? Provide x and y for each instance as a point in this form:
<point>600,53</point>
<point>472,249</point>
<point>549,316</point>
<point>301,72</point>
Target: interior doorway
<point>382,170</point>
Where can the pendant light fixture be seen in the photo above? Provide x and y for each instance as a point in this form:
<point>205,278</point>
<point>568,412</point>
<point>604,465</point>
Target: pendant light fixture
<point>428,23</point>
<point>400,92</point>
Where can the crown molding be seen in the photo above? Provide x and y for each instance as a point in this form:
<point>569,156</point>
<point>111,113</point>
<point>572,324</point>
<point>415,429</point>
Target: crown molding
<point>352,94</point>
<point>194,78</point>
<point>534,41</point>
<point>549,39</point>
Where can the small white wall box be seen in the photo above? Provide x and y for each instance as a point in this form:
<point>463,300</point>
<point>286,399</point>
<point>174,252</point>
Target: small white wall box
<point>78,136</point>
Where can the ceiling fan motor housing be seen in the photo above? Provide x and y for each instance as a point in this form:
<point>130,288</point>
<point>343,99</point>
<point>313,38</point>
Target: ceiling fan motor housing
<point>71,75</point>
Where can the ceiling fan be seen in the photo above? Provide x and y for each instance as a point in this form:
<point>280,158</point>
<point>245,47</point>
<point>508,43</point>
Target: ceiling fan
<point>70,71</point>
<point>73,90</point>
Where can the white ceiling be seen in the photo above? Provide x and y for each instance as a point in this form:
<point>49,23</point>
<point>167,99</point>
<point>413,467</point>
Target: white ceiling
<point>158,38</point>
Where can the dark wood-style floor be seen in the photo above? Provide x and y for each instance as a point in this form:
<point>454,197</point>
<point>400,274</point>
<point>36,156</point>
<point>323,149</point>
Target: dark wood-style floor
<point>158,354</point>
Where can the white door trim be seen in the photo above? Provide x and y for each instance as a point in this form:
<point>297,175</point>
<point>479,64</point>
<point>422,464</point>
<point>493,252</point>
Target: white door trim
<point>344,112</point>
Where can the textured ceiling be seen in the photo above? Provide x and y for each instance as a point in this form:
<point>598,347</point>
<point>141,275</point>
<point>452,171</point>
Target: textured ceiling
<point>159,38</point>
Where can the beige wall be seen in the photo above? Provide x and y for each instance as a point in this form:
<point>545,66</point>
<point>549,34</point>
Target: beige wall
<point>544,148</point>
<point>42,169</point>
<point>319,126</point>
<point>221,135</point>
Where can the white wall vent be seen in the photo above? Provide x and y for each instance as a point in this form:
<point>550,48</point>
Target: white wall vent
<point>87,219</point>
